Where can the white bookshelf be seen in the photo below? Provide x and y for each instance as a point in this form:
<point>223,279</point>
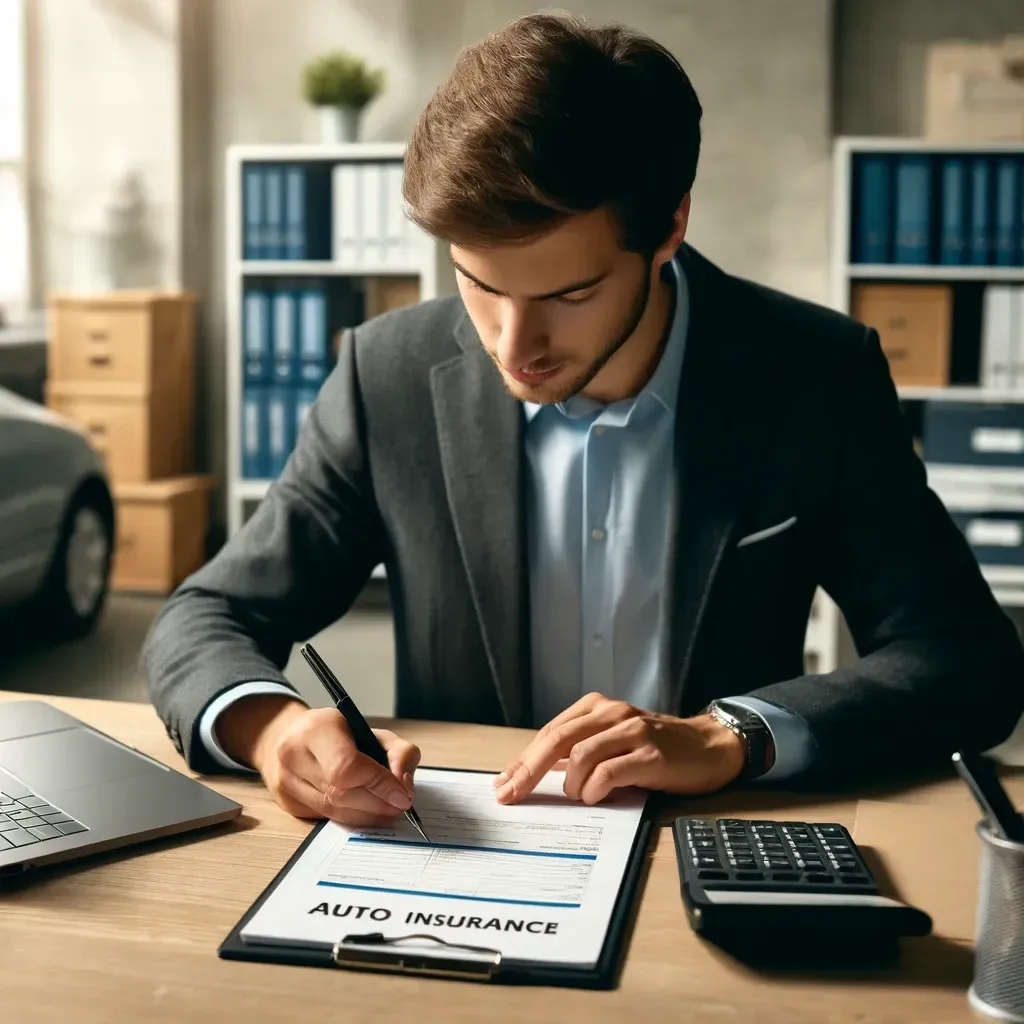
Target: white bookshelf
<point>824,631</point>
<point>429,264</point>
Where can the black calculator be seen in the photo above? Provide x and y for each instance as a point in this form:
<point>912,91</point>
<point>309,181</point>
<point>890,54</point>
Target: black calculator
<point>743,879</point>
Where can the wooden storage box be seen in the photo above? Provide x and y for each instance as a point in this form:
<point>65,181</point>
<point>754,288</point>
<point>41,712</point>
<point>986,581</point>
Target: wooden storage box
<point>140,438</point>
<point>137,338</point>
<point>915,325</point>
<point>161,532</point>
<point>122,365</point>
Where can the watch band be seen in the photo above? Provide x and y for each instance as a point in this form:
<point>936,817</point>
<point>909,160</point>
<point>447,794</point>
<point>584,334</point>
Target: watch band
<point>751,729</point>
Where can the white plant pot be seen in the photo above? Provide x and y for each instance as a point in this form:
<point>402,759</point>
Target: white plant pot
<point>339,124</point>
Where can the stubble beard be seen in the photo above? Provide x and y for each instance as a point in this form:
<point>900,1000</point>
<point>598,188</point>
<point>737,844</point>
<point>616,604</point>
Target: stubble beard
<point>539,393</point>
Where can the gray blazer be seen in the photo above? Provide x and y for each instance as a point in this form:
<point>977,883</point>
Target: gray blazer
<point>412,457</point>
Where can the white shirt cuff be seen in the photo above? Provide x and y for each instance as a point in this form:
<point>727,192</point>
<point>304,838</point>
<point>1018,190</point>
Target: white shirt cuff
<point>208,719</point>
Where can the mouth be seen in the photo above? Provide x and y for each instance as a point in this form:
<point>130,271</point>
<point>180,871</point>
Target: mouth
<point>528,377</point>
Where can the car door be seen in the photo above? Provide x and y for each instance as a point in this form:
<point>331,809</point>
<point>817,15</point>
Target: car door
<point>31,499</point>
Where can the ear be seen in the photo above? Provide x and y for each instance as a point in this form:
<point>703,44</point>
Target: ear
<point>680,219</point>
<point>680,222</point>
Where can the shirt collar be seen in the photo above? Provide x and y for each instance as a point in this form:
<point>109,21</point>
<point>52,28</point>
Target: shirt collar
<point>664,383</point>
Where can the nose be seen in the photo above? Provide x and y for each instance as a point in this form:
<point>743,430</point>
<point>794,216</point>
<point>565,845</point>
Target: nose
<point>522,339</point>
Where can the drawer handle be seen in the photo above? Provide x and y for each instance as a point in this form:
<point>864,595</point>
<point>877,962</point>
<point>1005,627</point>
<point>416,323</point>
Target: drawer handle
<point>897,323</point>
<point>97,335</point>
<point>99,360</point>
<point>97,428</point>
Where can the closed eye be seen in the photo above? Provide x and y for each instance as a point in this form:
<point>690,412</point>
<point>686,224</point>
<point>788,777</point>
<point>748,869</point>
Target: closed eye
<point>565,300</point>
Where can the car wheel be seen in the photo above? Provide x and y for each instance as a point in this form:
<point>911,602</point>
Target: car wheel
<point>80,574</point>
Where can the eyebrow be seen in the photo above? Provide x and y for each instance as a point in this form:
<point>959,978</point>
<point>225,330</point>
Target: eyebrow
<point>577,286</point>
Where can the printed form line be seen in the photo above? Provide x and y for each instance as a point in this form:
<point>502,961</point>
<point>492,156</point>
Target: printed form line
<point>480,849</point>
<point>445,895</point>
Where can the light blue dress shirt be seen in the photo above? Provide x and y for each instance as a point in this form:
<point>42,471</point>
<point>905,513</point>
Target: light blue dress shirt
<point>598,492</point>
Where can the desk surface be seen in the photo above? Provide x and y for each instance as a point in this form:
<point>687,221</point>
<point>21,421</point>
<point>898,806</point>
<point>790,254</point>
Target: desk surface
<point>132,935</point>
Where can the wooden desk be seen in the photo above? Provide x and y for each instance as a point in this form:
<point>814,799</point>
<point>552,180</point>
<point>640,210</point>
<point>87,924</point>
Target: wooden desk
<point>132,935</point>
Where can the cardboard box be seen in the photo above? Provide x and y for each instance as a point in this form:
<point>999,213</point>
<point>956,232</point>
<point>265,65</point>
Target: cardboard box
<point>161,532</point>
<point>915,326</point>
<point>974,92</point>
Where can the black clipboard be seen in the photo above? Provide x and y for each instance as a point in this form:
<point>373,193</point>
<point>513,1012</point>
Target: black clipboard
<point>482,964</point>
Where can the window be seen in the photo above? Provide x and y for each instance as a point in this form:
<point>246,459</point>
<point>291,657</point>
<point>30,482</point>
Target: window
<point>14,263</point>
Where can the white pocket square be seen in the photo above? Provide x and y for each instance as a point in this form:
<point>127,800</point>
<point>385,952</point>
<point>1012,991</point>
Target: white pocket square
<point>771,531</point>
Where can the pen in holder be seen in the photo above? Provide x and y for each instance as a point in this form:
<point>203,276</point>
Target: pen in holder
<point>998,986</point>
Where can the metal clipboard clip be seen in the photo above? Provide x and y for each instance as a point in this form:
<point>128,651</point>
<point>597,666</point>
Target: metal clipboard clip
<point>376,951</point>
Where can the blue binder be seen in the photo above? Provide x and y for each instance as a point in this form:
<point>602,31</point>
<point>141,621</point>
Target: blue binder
<point>873,228</point>
<point>953,227</point>
<point>256,336</point>
<point>913,209</point>
<point>1006,212</point>
<point>280,428</point>
<point>313,342</point>
<point>980,247</point>
<point>274,225</point>
<point>285,320</point>
<point>254,434</point>
<point>252,212</point>
<point>307,211</point>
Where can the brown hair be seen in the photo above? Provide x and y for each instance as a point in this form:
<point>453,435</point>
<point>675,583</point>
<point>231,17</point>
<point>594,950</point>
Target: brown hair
<point>550,117</point>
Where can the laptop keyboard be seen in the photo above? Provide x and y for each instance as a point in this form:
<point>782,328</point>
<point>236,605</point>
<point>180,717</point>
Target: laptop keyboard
<point>26,818</point>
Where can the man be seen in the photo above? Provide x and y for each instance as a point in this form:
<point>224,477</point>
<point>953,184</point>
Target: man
<point>605,481</point>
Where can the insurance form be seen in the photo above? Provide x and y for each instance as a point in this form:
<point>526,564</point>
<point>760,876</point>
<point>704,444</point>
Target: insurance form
<point>536,880</point>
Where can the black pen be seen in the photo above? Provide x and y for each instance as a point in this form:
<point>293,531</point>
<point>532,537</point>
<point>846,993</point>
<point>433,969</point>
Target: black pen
<point>979,772</point>
<point>363,736</point>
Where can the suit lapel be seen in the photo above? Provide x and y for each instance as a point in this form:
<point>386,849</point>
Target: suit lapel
<point>479,429</point>
<point>721,429</point>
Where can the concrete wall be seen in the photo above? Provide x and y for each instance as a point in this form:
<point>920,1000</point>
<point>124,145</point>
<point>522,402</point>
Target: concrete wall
<point>880,55</point>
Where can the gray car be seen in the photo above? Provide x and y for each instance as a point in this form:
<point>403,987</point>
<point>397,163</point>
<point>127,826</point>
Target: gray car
<point>56,519</point>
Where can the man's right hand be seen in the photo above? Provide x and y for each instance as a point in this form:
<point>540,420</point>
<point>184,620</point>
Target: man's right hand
<point>310,763</point>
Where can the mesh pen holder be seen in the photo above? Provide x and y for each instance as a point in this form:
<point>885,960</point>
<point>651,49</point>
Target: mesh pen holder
<point>998,986</point>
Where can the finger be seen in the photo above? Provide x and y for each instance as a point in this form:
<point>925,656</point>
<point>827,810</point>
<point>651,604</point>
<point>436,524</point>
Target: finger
<point>632,769</point>
<point>587,704</point>
<point>307,796</point>
<point>589,753</point>
<point>576,710</point>
<point>403,756</point>
<point>317,800</point>
<point>544,752</point>
<point>344,767</point>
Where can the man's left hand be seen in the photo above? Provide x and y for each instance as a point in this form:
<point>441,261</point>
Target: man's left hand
<point>609,743</point>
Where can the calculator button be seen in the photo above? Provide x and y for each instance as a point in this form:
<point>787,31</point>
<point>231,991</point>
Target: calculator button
<point>819,878</point>
<point>786,876</point>
<point>705,844</point>
<point>855,879</point>
<point>746,862</point>
<point>749,876</point>
<point>708,860</point>
<point>830,830</point>
<point>708,875</point>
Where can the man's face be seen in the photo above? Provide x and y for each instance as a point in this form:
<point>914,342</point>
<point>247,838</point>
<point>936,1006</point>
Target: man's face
<point>552,313</point>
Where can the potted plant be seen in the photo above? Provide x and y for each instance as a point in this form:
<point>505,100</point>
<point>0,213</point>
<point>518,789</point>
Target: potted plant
<point>340,85</point>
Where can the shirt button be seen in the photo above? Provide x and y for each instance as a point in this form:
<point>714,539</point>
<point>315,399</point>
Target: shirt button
<point>599,430</point>
<point>597,534</point>
<point>599,641</point>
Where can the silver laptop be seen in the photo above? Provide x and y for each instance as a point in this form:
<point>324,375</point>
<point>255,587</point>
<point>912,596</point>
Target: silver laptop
<point>67,789</point>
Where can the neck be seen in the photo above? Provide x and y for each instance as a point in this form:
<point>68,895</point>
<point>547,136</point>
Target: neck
<point>629,370</point>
